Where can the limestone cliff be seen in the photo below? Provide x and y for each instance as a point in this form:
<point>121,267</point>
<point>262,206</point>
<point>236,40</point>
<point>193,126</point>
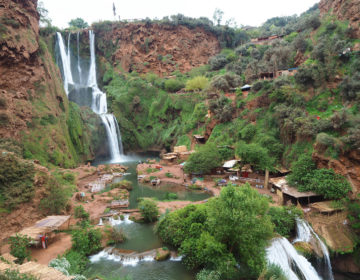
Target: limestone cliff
<point>157,48</point>
<point>343,10</point>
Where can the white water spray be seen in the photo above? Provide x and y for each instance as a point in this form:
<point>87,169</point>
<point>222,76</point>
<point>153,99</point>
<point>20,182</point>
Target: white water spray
<point>98,103</point>
<point>305,233</point>
<point>78,57</point>
<point>283,254</point>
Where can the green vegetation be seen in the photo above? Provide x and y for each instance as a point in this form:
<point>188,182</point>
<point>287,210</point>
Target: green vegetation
<point>229,229</point>
<point>10,274</point>
<point>284,219</point>
<point>16,180</point>
<point>321,181</point>
<point>197,84</point>
<point>19,247</point>
<point>203,160</point>
<point>149,210</point>
<point>78,23</point>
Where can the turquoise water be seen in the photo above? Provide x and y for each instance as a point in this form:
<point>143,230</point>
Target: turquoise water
<point>141,237</point>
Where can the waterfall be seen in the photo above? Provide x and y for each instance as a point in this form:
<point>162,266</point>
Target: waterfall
<point>78,57</point>
<point>283,254</point>
<point>305,233</point>
<point>98,98</point>
<point>65,60</point>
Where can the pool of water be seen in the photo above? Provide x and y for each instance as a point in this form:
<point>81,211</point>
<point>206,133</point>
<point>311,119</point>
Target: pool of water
<point>146,270</point>
<point>141,237</point>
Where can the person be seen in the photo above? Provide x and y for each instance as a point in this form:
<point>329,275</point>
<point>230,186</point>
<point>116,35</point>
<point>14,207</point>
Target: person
<point>43,239</point>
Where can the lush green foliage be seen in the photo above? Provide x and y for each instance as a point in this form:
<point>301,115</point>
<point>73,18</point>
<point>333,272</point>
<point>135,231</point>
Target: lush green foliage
<point>321,181</point>
<point>229,229</point>
<point>19,247</point>
<point>86,241</point>
<point>149,210</point>
<point>255,155</point>
<point>197,84</point>
<point>16,275</point>
<point>203,160</point>
<point>284,219</point>
<point>16,180</point>
<point>78,23</point>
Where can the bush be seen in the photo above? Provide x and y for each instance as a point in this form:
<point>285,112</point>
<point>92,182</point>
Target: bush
<point>222,108</point>
<point>327,183</point>
<point>173,85</point>
<point>300,169</point>
<point>78,262</point>
<point>197,84</point>
<point>284,219</point>
<point>15,275</point>
<point>149,210</point>
<point>171,196</point>
<point>4,119</point>
<point>16,179</point>
<point>350,87</point>
<point>116,235</point>
<point>208,275</point>
<point>86,240</point>
<point>325,139</point>
<point>80,213</point>
<point>203,160</point>
<point>56,198</point>
<point>273,272</point>
<point>19,247</point>
<point>217,62</point>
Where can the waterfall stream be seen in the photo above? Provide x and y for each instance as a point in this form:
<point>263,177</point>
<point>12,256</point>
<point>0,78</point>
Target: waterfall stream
<point>295,266</point>
<point>81,87</point>
<point>305,233</point>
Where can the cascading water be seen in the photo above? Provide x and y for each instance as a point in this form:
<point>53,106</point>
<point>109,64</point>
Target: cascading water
<point>98,98</point>
<point>305,233</point>
<point>295,266</point>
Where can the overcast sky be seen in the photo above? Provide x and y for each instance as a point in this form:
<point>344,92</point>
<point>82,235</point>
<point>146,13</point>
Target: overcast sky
<point>245,12</point>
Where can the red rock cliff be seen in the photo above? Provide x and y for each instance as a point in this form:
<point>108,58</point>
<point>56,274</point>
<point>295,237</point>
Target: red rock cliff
<point>343,10</point>
<point>157,48</point>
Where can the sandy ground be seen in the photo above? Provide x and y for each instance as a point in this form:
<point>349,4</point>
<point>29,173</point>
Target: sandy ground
<point>58,247</point>
<point>175,170</point>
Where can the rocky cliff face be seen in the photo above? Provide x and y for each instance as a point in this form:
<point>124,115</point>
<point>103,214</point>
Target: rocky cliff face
<point>34,109</point>
<point>156,48</point>
<point>343,10</point>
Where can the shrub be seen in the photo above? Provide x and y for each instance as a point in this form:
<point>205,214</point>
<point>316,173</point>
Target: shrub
<point>2,103</point>
<point>16,275</point>
<point>325,139</point>
<point>80,213</point>
<point>16,179</point>
<point>203,160</point>
<point>350,87</point>
<point>197,84</point>
<point>117,235</point>
<point>171,196</point>
<point>284,219</point>
<point>19,247</point>
<point>217,62</point>
<point>149,210</point>
<point>56,198</point>
<point>300,170</point>
<point>273,272</point>
<point>173,85</point>
<point>78,262</point>
<point>327,183</point>
<point>86,240</point>
<point>208,275</point>
<point>222,108</point>
<point>4,119</point>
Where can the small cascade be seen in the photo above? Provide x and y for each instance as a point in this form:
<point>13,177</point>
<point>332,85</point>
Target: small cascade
<point>117,222</point>
<point>101,223</point>
<point>81,89</point>
<point>283,254</point>
<point>305,233</point>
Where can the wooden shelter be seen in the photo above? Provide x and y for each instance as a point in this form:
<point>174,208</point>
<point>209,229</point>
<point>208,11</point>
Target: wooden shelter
<point>288,193</point>
<point>46,226</point>
<point>200,139</point>
<point>325,207</point>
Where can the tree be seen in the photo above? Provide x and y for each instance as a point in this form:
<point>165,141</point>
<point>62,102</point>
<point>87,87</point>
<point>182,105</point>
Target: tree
<point>149,210</point>
<point>78,23</point>
<point>217,16</point>
<point>301,170</point>
<point>254,154</point>
<point>86,240</point>
<point>238,219</point>
<point>203,160</point>
<point>43,13</point>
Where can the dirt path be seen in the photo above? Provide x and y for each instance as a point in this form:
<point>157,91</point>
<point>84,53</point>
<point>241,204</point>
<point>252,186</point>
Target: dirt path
<point>44,256</point>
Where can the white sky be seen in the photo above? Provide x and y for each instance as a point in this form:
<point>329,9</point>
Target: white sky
<point>245,12</point>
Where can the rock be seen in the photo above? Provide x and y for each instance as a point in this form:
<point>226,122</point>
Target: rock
<point>305,249</point>
<point>162,254</point>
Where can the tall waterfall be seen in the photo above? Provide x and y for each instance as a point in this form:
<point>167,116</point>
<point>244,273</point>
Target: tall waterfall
<point>305,233</point>
<point>81,87</point>
<point>295,266</point>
